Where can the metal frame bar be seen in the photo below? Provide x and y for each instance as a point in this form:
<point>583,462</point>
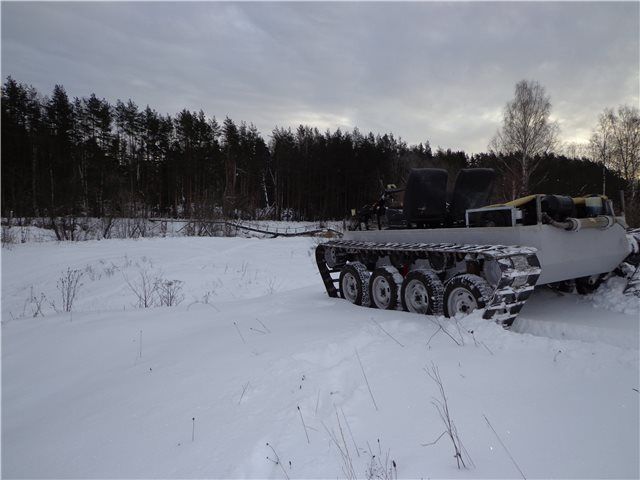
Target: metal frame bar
<point>513,211</point>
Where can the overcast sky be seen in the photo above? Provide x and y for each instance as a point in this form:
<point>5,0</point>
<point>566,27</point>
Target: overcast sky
<point>425,71</point>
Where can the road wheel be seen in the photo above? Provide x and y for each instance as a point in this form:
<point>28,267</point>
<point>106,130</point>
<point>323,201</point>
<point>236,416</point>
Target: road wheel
<point>354,283</point>
<point>465,293</point>
<point>422,292</point>
<point>384,287</point>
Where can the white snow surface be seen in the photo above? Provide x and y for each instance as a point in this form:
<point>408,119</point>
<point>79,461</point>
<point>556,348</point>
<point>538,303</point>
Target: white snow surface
<point>83,398</point>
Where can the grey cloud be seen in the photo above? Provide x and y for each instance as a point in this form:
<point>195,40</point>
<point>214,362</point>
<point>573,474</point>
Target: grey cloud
<point>425,71</point>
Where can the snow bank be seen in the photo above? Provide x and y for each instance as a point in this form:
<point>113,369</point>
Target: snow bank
<point>606,316</point>
<point>609,296</point>
<point>25,234</point>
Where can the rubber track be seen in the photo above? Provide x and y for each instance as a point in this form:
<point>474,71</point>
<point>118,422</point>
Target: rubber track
<point>517,265</point>
<point>633,283</point>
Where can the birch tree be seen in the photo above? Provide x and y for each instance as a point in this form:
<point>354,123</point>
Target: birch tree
<point>600,145</point>
<point>616,143</point>
<point>527,132</point>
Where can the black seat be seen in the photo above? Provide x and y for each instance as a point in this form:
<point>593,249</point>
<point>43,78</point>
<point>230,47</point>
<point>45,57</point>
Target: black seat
<point>425,197</point>
<point>472,190</point>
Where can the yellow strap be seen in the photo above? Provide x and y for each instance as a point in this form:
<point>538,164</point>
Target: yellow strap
<point>518,202</point>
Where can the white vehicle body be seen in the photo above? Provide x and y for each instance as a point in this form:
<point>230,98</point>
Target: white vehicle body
<point>563,254</point>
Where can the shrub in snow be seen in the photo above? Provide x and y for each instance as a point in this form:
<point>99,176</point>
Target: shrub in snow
<point>8,236</point>
<point>170,292</point>
<point>442,406</point>
<point>35,304</point>
<point>272,285</point>
<point>276,460</point>
<point>145,286</point>
<point>379,468</point>
<point>105,226</point>
<point>129,228</point>
<point>151,289</point>
<point>65,228</point>
<point>339,441</point>
<point>207,296</point>
<point>68,285</point>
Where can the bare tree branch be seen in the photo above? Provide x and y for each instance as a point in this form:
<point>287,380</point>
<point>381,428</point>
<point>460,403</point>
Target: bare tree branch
<point>527,131</point>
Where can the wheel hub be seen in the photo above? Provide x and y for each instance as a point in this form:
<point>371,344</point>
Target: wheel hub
<point>461,301</point>
<point>381,292</point>
<point>350,287</point>
<point>417,297</point>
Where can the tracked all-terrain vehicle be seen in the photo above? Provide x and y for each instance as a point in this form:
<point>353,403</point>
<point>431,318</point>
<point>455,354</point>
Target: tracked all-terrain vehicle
<point>451,257</point>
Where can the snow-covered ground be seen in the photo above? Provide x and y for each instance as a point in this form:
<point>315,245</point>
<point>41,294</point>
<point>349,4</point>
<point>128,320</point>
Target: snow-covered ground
<point>257,353</point>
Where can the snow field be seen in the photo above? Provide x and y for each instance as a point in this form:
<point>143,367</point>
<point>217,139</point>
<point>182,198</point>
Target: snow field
<point>256,337</point>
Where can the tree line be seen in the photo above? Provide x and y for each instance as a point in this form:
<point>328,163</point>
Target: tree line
<point>85,156</point>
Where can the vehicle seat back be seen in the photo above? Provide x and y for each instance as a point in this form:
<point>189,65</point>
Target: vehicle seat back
<point>472,190</point>
<point>425,197</point>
